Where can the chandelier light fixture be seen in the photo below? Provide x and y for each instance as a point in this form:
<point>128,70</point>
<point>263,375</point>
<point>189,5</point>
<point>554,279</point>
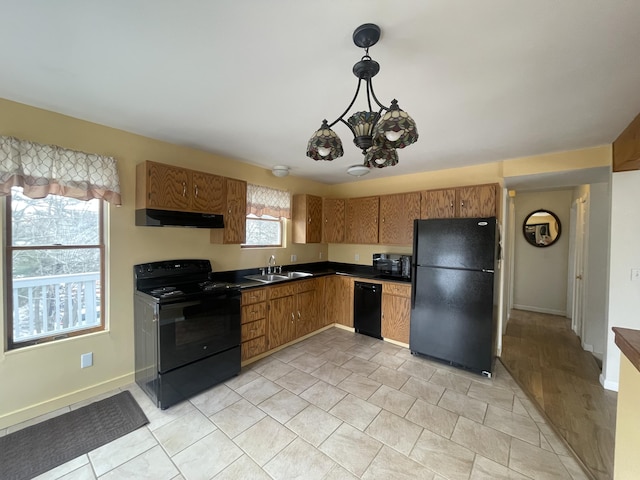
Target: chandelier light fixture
<point>377,133</point>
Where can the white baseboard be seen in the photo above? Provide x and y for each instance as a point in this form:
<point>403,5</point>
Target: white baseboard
<point>550,311</point>
<point>33,411</point>
<point>609,385</point>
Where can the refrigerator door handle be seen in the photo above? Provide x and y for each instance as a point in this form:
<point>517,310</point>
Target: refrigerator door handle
<point>413,286</point>
<point>487,271</point>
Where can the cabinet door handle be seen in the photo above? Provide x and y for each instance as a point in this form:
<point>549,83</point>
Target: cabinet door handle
<point>196,190</point>
<point>462,203</point>
<point>298,314</point>
<point>184,189</point>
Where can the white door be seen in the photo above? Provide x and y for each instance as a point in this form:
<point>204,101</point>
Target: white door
<point>577,306</point>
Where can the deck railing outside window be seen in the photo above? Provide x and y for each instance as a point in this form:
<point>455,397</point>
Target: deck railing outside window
<point>56,304</point>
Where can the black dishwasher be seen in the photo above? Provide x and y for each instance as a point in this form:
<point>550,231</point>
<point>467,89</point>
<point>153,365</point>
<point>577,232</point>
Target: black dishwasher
<point>366,308</point>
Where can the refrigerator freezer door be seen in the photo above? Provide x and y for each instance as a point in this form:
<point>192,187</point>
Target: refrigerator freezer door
<point>467,243</point>
<point>452,316</point>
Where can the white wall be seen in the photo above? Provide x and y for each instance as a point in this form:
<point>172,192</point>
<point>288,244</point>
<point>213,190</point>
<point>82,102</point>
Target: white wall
<point>540,274</point>
<point>597,257</point>
<point>624,294</point>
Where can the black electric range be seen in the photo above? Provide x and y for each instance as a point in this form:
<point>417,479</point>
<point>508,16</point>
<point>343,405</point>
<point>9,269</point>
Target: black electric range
<point>187,329</point>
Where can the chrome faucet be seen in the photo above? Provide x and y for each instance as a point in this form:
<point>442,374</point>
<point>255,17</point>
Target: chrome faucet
<point>271,266</point>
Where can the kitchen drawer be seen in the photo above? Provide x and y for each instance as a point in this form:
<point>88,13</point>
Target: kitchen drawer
<point>254,312</point>
<point>305,285</point>
<point>254,296</point>
<point>396,289</point>
<point>283,290</point>
<point>253,347</point>
<point>253,329</point>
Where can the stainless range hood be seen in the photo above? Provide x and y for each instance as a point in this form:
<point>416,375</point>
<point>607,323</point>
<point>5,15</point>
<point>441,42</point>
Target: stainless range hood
<point>149,217</point>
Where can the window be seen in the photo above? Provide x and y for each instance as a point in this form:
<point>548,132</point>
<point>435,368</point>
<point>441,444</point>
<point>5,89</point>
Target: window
<point>266,210</point>
<point>265,231</point>
<point>55,260</point>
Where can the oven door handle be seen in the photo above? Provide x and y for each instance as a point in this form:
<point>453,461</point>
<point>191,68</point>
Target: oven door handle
<point>181,304</point>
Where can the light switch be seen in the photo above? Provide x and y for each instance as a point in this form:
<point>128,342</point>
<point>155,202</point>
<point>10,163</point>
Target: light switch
<point>635,274</point>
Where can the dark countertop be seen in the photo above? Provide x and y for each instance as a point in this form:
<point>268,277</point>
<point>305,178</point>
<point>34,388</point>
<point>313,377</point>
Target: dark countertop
<point>628,340</point>
<point>317,269</point>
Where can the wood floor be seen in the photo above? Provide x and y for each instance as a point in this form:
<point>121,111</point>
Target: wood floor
<point>545,357</point>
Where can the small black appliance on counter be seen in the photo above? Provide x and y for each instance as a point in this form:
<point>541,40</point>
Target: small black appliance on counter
<point>392,265</point>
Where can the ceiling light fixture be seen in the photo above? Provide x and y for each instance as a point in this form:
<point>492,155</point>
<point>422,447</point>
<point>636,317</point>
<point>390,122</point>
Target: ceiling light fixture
<point>358,170</point>
<point>280,170</point>
<point>377,134</point>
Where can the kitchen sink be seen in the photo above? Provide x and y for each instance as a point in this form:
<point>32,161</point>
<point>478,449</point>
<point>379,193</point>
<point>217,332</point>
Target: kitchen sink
<point>275,277</point>
<point>297,274</point>
<point>267,278</point>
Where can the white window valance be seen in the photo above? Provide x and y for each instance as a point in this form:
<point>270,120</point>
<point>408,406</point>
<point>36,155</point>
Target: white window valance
<point>268,201</point>
<point>48,169</point>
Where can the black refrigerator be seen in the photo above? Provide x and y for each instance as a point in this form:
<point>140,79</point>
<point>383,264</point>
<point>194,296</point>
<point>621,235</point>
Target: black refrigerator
<point>454,291</point>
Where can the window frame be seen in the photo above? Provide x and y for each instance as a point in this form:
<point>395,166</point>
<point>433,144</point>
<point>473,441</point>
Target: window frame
<point>10,344</point>
<point>272,219</point>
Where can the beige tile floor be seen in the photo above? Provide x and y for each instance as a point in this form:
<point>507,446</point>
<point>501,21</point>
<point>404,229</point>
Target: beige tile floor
<point>339,405</point>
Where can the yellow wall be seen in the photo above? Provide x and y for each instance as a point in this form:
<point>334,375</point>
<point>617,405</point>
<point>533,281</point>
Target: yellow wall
<point>627,460</point>
<point>559,161</point>
<point>39,379</point>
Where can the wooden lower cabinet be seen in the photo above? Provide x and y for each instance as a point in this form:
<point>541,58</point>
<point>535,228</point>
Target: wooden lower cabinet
<point>253,323</point>
<point>338,300</point>
<point>309,306</point>
<point>396,311</point>
<point>295,310</point>
<point>282,320</point>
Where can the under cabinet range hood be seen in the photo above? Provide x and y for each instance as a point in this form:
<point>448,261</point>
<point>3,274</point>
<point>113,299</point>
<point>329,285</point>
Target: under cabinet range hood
<point>149,217</point>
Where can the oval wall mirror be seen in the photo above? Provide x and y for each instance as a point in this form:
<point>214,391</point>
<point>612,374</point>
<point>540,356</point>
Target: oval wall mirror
<point>541,228</point>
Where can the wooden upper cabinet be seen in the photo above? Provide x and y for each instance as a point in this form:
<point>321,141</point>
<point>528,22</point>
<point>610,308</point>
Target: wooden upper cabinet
<point>162,186</point>
<point>167,187</point>
<point>307,219</point>
<point>235,213</point>
<point>626,148</point>
<point>438,204</point>
<point>333,211</point>
<point>397,213</point>
<point>208,192</point>
<point>362,220</point>
<point>462,202</point>
<point>476,201</point>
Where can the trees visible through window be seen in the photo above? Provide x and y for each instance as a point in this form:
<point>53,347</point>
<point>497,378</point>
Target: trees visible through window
<point>264,231</point>
<point>55,259</point>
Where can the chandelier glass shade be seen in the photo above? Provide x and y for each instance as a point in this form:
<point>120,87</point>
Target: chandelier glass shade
<point>377,133</point>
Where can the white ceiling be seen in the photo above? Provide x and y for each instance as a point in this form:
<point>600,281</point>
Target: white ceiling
<point>252,80</point>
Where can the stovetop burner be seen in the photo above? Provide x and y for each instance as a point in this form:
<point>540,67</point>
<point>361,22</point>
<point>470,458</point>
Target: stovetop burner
<point>160,290</point>
<point>174,279</point>
<point>209,285</point>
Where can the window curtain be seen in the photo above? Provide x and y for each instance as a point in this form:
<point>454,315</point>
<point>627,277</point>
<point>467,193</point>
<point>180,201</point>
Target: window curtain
<point>48,169</point>
<point>268,201</point>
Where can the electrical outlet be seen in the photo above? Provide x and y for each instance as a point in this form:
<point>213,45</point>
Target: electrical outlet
<point>320,256</point>
<point>635,274</point>
<point>294,258</point>
<point>357,257</point>
<point>86,360</point>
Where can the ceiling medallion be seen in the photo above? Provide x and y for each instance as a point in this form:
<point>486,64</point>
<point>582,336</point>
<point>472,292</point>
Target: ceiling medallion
<point>377,133</point>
